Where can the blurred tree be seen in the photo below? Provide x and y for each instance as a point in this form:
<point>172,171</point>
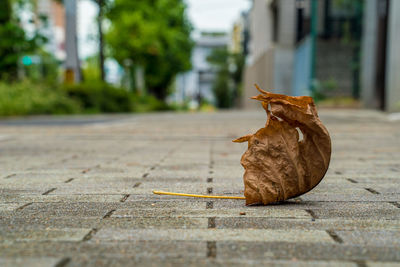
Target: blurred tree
<point>102,5</point>
<point>351,34</point>
<point>154,34</point>
<point>229,68</point>
<point>13,41</point>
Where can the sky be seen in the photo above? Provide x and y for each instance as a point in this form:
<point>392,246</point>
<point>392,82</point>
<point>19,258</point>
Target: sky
<point>206,15</point>
<point>215,15</point>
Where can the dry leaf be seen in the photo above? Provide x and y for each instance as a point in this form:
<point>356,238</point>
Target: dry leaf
<point>278,164</point>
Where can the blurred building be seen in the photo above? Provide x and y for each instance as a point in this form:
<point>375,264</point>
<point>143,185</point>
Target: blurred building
<point>380,77</point>
<point>273,48</point>
<point>240,34</point>
<point>196,84</point>
<point>282,52</point>
<point>54,27</point>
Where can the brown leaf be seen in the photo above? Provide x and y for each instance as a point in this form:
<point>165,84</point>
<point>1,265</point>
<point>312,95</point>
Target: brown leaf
<point>278,165</point>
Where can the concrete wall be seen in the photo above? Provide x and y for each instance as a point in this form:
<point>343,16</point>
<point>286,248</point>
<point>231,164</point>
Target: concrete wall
<point>368,52</point>
<point>284,53</point>
<point>302,68</point>
<point>393,58</point>
<point>261,73</point>
<point>260,30</point>
<point>269,64</point>
<point>334,62</point>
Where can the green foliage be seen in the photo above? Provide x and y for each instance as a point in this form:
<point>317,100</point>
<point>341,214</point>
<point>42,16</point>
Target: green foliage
<point>90,69</point>
<point>154,34</point>
<point>321,89</point>
<point>100,97</point>
<point>13,41</point>
<point>229,67</point>
<point>25,98</point>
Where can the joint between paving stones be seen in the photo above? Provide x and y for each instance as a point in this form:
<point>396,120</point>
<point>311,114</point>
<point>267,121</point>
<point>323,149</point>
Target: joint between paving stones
<point>85,170</point>
<point>89,235</point>
<point>49,191</point>
<point>124,198</point>
<point>24,206</point>
<point>11,175</point>
<point>108,214</point>
<point>63,262</point>
<point>373,191</point>
<point>312,214</point>
<point>396,204</point>
<point>137,184</point>
<point>211,249</point>
<point>211,222</point>
<point>360,263</point>
<point>334,236</point>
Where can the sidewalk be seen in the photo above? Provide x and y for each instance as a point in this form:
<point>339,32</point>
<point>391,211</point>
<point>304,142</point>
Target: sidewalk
<point>78,191</point>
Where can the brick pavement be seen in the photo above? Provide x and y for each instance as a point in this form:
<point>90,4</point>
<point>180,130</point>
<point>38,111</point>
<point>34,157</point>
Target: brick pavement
<point>77,191</point>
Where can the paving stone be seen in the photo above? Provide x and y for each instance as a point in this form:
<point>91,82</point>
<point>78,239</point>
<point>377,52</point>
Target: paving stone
<point>306,224</point>
<point>73,235</point>
<point>43,248</point>
<point>114,261</point>
<point>9,206</point>
<point>15,221</point>
<point>383,264</point>
<point>103,211</point>
<point>254,235</point>
<point>62,198</point>
<point>155,223</point>
<point>33,262</point>
<point>145,249</point>
<point>381,238</point>
<point>304,251</point>
<point>201,213</point>
<point>83,209</point>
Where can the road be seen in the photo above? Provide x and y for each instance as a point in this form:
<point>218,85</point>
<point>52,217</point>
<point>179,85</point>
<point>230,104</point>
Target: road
<point>78,191</point>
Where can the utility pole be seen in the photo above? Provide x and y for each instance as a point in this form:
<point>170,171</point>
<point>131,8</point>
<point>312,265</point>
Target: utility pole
<point>72,69</point>
<point>101,41</point>
<point>313,33</point>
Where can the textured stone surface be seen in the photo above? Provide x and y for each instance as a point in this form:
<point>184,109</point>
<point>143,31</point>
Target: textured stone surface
<point>32,262</point>
<point>78,191</point>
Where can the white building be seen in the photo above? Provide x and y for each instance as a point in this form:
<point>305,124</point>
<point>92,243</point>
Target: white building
<point>55,28</point>
<point>196,84</point>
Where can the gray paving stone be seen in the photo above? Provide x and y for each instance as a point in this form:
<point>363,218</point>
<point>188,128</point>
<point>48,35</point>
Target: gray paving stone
<point>381,238</point>
<point>155,223</point>
<point>103,212</point>
<point>304,251</point>
<point>82,209</point>
<point>9,206</point>
<point>254,235</point>
<point>73,235</point>
<point>306,224</point>
<point>61,198</point>
<point>33,262</point>
<point>383,264</point>
<point>201,213</point>
<point>113,261</point>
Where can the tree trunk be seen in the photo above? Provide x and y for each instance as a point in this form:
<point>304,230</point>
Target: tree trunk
<point>101,41</point>
<point>73,72</point>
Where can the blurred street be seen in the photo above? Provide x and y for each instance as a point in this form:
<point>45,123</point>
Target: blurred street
<point>77,190</point>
